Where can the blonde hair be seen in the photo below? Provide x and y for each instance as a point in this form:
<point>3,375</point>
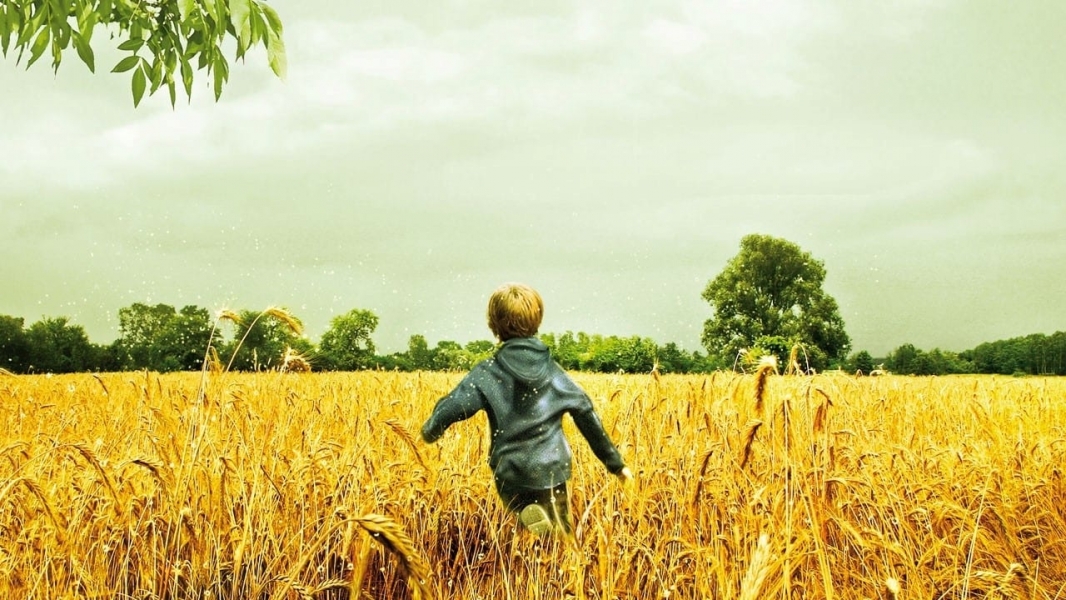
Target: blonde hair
<point>515,310</point>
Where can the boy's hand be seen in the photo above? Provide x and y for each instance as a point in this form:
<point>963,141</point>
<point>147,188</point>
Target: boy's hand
<point>625,476</point>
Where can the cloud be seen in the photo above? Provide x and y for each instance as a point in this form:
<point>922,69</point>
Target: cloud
<point>613,152</point>
<point>377,76</point>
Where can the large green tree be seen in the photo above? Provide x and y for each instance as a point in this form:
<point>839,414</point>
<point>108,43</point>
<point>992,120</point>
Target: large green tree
<point>57,346</point>
<point>770,294</point>
<point>167,40</point>
<point>162,339</point>
<point>346,345</point>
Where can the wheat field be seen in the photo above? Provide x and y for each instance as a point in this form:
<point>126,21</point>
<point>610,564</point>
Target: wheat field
<point>284,486</point>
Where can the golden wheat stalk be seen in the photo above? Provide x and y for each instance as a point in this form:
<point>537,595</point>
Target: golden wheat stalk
<point>766,366</point>
<point>390,535</point>
<point>90,457</point>
<point>153,465</point>
<point>213,363</point>
<point>706,460</point>
<point>284,316</point>
<point>892,587</point>
<point>758,570</point>
<point>750,430</point>
<point>821,412</point>
<point>409,439</point>
<point>33,487</point>
<point>226,314</point>
<point>304,592</point>
<point>793,367</point>
<point>102,384</point>
<point>292,361</point>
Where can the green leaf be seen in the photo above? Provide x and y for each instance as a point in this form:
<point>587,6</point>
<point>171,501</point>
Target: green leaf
<point>219,80</point>
<point>139,82</point>
<point>276,56</point>
<point>61,30</point>
<point>85,51</point>
<point>87,20</point>
<point>185,8</point>
<point>155,75</point>
<point>239,13</point>
<point>14,20</point>
<point>131,45</point>
<point>275,44</point>
<point>272,18</point>
<point>39,46</point>
<point>56,9</point>
<point>221,72</point>
<point>170,58</point>
<point>57,55</point>
<point>5,34</point>
<point>173,93</point>
<point>186,77</point>
<point>212,10</point>
<point>29,27</point>
<point>126,64</point>
<point>257,24</point>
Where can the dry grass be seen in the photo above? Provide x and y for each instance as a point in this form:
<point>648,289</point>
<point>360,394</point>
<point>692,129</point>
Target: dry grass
<point>284,486</point>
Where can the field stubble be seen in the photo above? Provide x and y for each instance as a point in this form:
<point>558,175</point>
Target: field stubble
<point>276,486</point>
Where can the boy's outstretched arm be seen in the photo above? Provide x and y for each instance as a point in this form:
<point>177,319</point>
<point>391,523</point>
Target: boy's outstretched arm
<point>590,426</point>
<point>462,403</point>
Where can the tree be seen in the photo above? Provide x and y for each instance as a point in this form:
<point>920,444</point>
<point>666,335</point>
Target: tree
<point>347,346</point>
<point>161,339</point>
<point>14,346</point>
<point>772,288</point>
<point>419,355</point>
<point>139,326</point>
<point>674,359</point>
<point>163,37</point>
<point>56,346</point>
<point>448,356</point>
<point>187,337</point>
<point>566,349</point>
<point>904,360</point>
<point>862,362</point>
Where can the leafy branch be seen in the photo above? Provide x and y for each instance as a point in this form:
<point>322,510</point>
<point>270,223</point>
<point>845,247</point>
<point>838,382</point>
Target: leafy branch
<point>165,38</point>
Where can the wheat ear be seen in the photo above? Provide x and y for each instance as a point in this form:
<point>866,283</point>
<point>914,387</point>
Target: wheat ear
<point>758,570</point>
<point>390,535</point>
<point>408,439</point>
<point>749,436</point>
<point>767,366</point>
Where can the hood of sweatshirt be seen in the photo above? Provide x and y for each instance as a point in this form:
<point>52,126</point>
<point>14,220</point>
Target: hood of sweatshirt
<point>527,359</point>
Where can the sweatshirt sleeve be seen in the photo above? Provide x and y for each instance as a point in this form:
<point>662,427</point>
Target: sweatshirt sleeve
<point>590,426</point>
<point>461,403</point>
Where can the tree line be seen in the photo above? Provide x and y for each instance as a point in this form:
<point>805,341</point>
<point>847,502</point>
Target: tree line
<point>1034,354</point>
<point>164,339</point>
<point>767,302</point>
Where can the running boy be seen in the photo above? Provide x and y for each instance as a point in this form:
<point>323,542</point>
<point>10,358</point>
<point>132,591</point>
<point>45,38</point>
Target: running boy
<point>525,394</point>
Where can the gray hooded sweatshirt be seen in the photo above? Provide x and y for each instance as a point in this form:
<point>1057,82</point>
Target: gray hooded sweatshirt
<point>525,393</point>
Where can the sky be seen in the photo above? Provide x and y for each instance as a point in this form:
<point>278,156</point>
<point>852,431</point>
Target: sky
<point>610,154</point>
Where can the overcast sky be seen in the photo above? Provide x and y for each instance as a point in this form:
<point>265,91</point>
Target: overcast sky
<point>611,154</point>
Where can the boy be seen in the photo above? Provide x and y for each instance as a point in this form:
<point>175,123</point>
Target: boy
<point>525,394</point>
